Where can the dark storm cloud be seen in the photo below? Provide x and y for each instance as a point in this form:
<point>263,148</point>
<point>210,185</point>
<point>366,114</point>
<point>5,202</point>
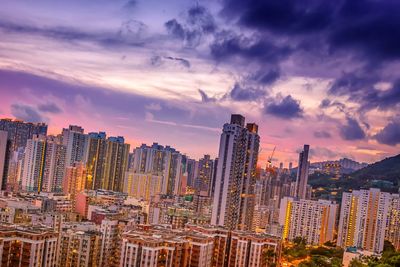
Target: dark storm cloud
<point>200,16</point>
<point>360,88</point>
<point>384,100</point>
<point>322,134</point>
<point>282,17</point>
<point>175,29</point>
<point>390,134</point>
<point>197,22</point>
<point>26,113</point>
<point>267,77</point>
<point>352,130</point>
<point>240,93</point>
<point>284,107</point>
<point>352,32</point>
<point>369,26</point>
<point>228,45</point>
<point>351,83</point>
<point>50,108</point>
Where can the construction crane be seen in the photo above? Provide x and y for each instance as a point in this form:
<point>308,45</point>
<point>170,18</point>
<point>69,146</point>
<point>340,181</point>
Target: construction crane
<point>270,169</point>
<point>270,158</point>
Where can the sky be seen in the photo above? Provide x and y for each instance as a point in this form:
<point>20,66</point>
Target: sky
<point>324,73</point>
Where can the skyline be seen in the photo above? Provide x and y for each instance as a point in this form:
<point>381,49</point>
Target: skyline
<point>173,73</point>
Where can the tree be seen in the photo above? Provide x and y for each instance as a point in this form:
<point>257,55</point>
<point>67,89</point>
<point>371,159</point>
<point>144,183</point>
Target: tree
<point>269,257</point>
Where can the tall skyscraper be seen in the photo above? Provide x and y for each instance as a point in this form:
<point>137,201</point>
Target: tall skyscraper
<point>3,157</point>
<point>302,173</point>
<point>14,169</point>
<point>233,203</point>
<point>32,170</point>
<point>366,218</point>
<point>96,160</point>
<point>43,164</point>
<point>116,164</point>
<point>192,170</point>
<point>76,144</point>
<point>203,181</point>
<point>18,132</point>
<point>393,223</point>
<point>54,165</point>
<point>166,162</point>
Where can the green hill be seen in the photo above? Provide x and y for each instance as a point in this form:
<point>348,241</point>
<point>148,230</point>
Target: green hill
<point>384,174</point>
<point>385,170</point>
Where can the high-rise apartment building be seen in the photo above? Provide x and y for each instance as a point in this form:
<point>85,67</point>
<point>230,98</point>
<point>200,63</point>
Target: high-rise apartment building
<point>116,164</point>
<point>302,173</point>
<point>33,166</point>
<point>96,160</point>
<point>74,181</point>
<point>313,220</point>
<point>393,223</point>
<point>54,165</point>
<point>75,142</point>
<point>162,161</point>
<point>4,153</point>
<point>28,246</point>
<point>142,186</point>
<point>203,181</point>
<point>18,132</point>
<point>192,170</point>
<point>233,204</point>
<point>366,218</point>
<point>106,162</point>
<point>43,164</point>
<point>15,164</point>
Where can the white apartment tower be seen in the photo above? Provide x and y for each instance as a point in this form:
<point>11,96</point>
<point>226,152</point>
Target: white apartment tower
<point>33,163</point>
<point>233,203</point>
<point>312,220</point>
<point>76,144</point>
<point>366,216</point>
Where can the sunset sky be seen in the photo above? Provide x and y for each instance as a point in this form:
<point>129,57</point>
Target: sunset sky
<point>325,73</point>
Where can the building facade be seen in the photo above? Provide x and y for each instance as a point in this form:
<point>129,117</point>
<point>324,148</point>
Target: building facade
<point>312,220</point>
<point>366,218</point>
<point>302,173</point>
<point>233,203</point>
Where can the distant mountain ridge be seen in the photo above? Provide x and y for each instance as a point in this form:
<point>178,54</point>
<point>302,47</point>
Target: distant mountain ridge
<point>387,169</point>
<point>384,174</point>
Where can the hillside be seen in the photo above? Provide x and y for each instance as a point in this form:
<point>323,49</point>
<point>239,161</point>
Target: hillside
<point>384,174</point>
<point>385,170</point>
